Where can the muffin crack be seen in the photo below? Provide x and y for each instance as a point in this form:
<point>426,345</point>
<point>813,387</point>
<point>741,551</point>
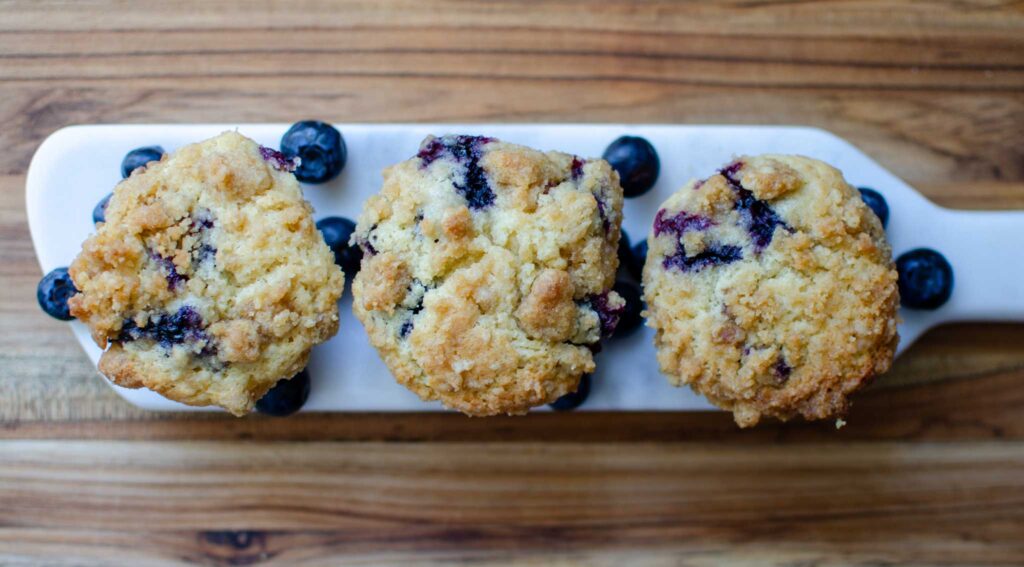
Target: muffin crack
<point>208,282</point>
<point>766,322</point>
<point>509,291</point>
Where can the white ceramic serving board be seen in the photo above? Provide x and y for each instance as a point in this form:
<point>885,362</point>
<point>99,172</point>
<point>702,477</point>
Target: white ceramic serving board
<point>78,165</point>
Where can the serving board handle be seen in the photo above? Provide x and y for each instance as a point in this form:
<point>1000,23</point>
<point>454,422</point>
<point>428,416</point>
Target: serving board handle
<point>986,250</point>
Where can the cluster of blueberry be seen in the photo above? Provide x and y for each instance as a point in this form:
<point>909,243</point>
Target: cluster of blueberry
<point>925,276</point>
<point>638,166</point>
<point>56,287</point>
<point>322,154</point>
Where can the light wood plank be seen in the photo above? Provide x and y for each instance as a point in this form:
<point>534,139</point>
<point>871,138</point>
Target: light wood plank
<point>440,502</point>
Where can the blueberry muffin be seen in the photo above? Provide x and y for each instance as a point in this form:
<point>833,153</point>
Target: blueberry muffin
<point>487,272</point>
<point>208,280</point>
<point>772,289</point>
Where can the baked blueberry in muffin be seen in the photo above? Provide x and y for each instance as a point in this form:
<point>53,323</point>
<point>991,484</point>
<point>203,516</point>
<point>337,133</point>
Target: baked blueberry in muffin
<point>208,281</point>
<point>486,280</point>
<point>772,289</point>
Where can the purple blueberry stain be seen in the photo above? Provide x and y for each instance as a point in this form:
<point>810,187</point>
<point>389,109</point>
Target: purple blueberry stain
<point>466,151</point>
<point>278,160</point>
<point>781,370</point>
<point>577,167</point>
<point>174,279</point>
<point>715,255</point>
<point>608,315</point>
<point>679,223</point>
<point>185,325</point>
<point>732,169</point>
<point>365,242</point>
<point>406,328</point>
<point>476,189</point>
<point>206,253</point>
<point>758,216</point>
<point>409,323</point>
<point>778,373</point>
<point>367,246</point>
<point>419,290</point>
<point>603,213</point>
<point>760,219</point>
<point>202,220</point>
<point>432,150</point>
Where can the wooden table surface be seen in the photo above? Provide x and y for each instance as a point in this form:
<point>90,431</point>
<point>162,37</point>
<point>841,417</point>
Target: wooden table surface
<point>930,469</point>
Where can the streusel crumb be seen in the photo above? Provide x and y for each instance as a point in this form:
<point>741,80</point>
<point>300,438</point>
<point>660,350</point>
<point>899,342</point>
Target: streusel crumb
<point>771,289</point>
<point>487,272</point>
<point>208,281</point>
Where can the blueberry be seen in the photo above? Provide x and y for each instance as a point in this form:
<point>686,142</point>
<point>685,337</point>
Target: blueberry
<point>53,293</point>
<point>320,147</point>
<point>171,274</point>
<point>575,399</point>
<point>925,279</point>
<point>876,202</point>
<point>638,258</point>
<point>286,397</point>
<point>418,289</point>
<point>168,329</point>
<point>99,213</point>
<point>714,255</point>
<point>577,167</point>
<point>466,151</point>
<point>406,328</point>
<point>630,318</point>
<point>139,157</point>
<point>680,223</point>
<point>337,231</point>
<point>758,216</point>
<point>278,160</point>
<point>606,314</point>
<point>636,162</point>
<point>781,370</point>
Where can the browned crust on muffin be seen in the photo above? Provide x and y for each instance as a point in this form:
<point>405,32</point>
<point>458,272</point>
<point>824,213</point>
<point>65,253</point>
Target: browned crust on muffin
<point>266,286</point>
<point>491,301</point>
<point>820,300</point>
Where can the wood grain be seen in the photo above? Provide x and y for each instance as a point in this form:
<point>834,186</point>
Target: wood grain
<point>183,503</point>
<point>928,471</point>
